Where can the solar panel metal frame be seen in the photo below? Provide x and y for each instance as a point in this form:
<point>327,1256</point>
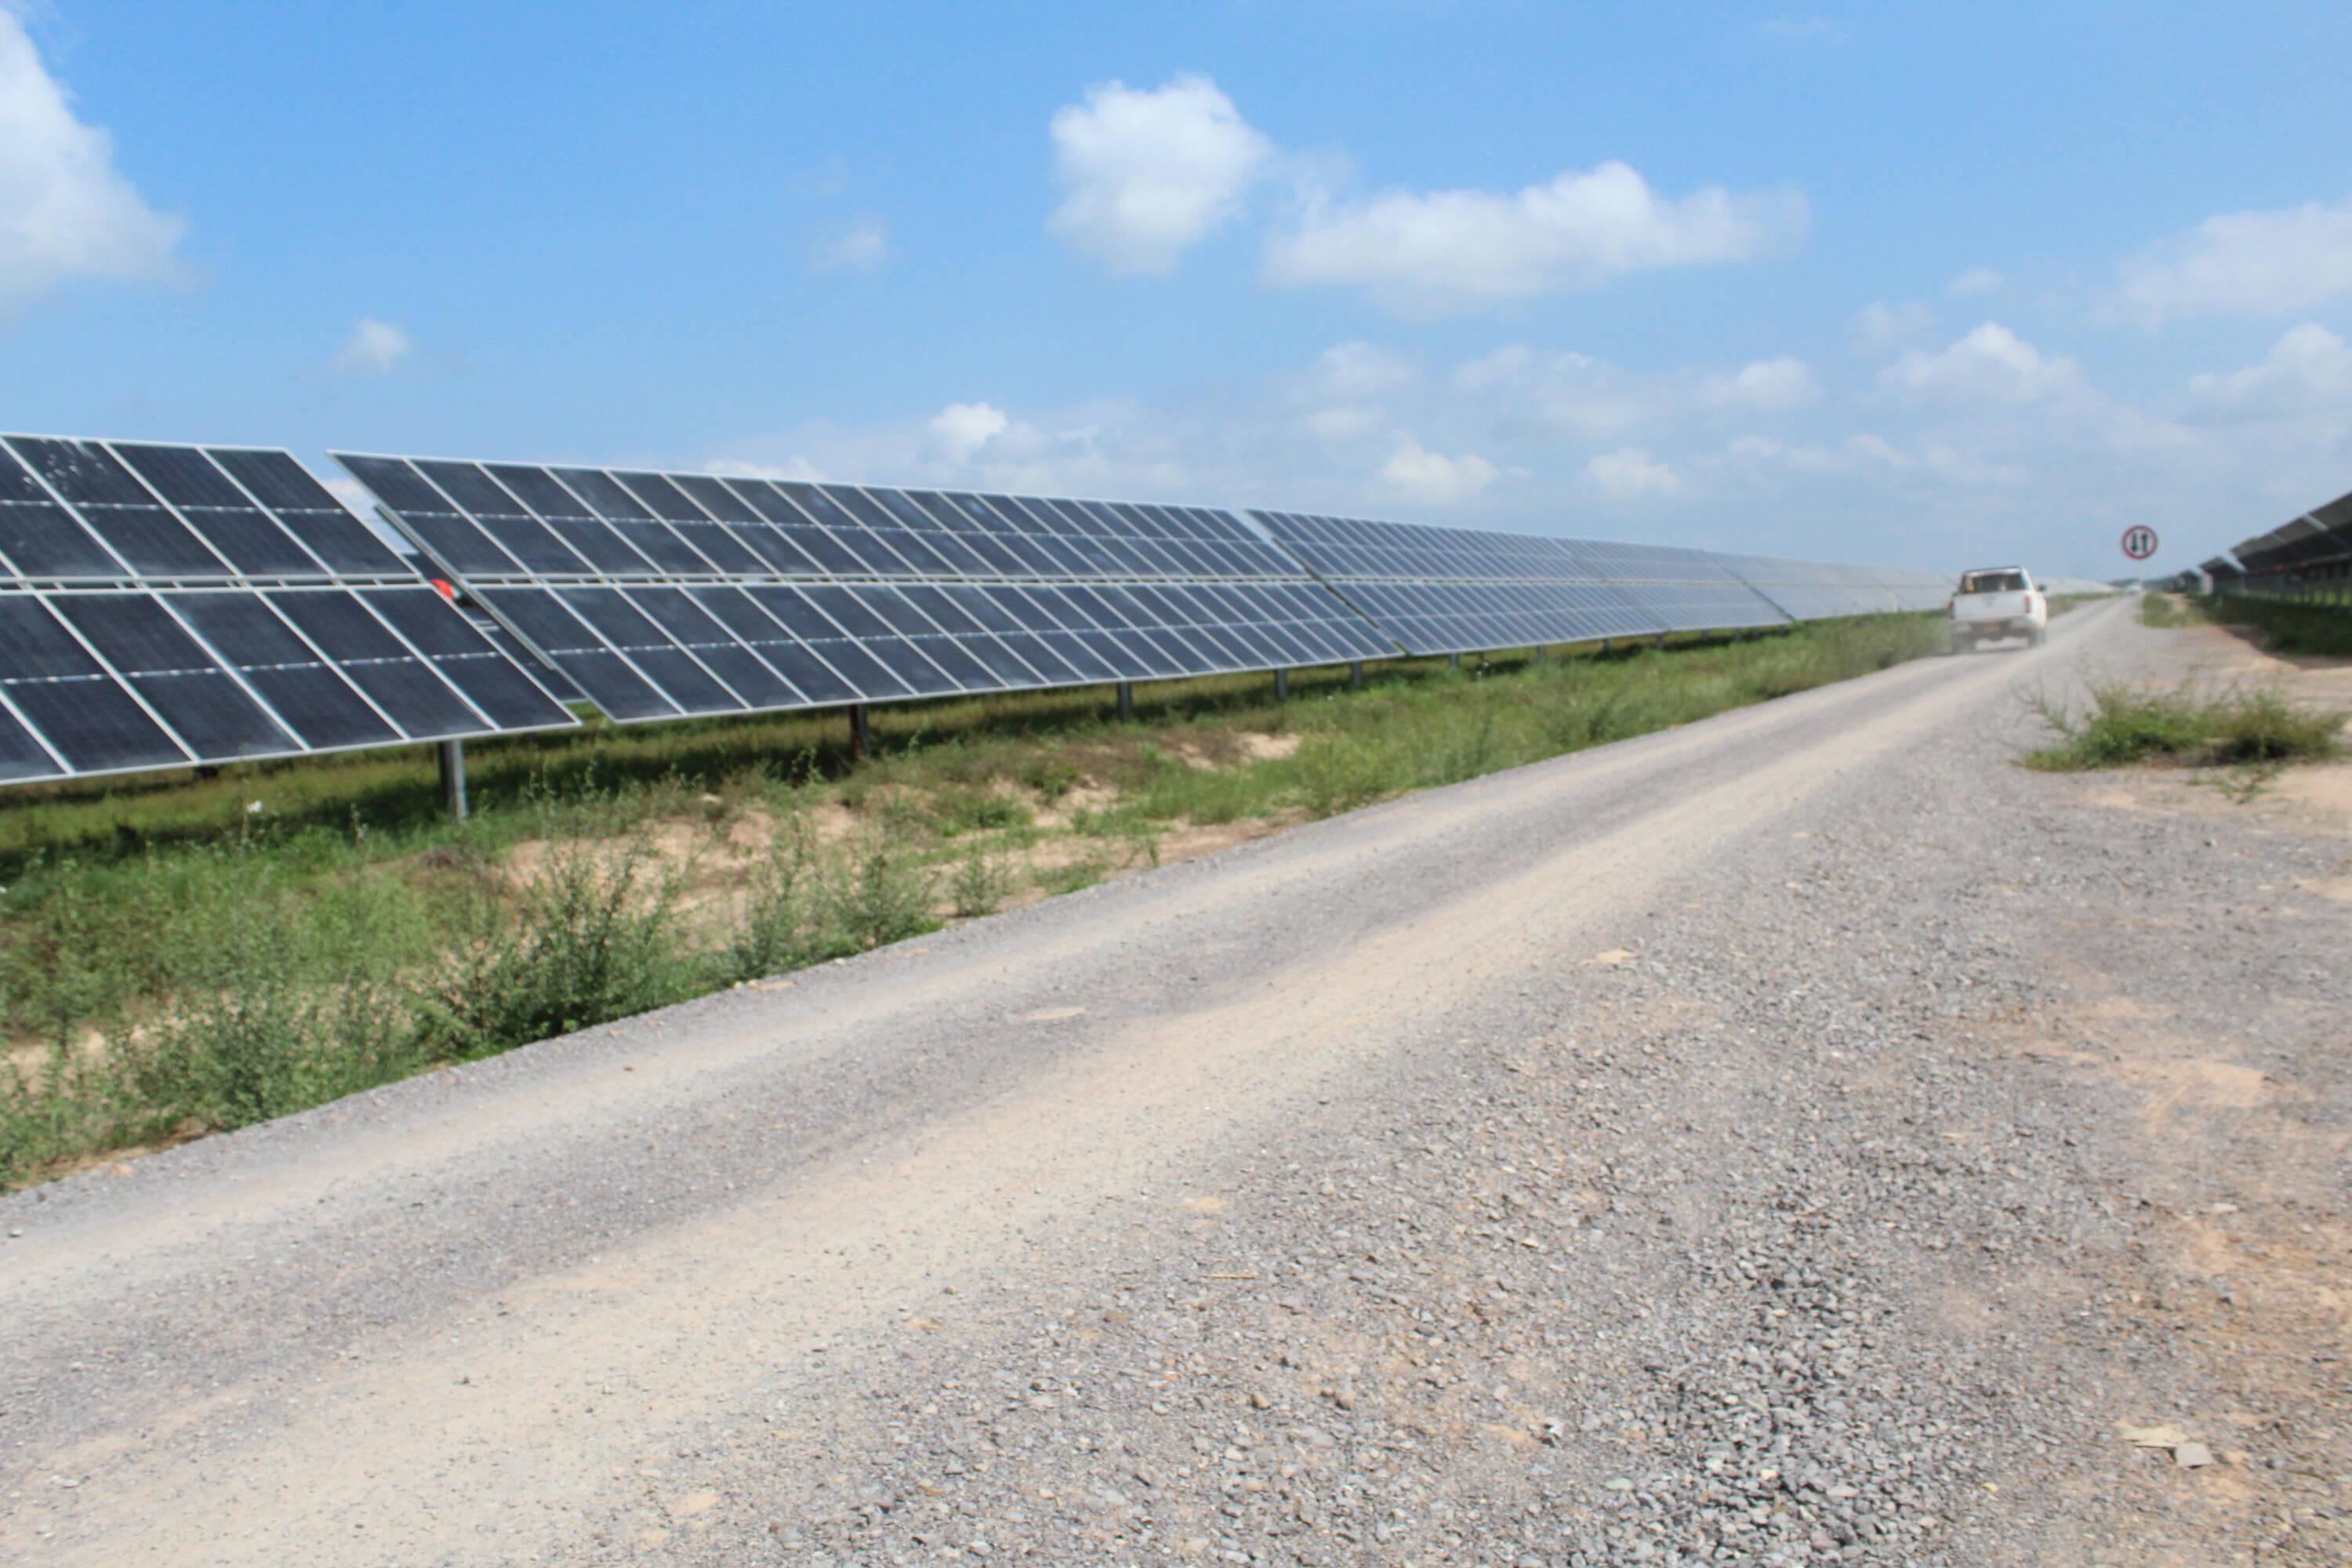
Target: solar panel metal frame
<point>149,646</point>
<point>874,592</point>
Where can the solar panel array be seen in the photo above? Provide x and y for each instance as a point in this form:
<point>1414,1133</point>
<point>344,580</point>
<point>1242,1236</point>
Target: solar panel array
<point>2308,554</point>
<point>1456,590</point>
<point>162,605</point>
<point>663,595</point>
<point>1814,590</point>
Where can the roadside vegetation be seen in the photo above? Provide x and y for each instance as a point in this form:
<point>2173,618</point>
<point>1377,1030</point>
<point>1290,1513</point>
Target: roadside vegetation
<point>2285,628</point>
<point>2251,731</point>
<point>186,955</point>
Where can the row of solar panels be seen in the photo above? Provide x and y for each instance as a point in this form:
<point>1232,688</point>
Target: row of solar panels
<point>165,606</point>
<point>2319,543</point>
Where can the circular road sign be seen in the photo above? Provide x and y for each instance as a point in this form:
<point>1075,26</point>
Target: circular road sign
<point>2139,541</point>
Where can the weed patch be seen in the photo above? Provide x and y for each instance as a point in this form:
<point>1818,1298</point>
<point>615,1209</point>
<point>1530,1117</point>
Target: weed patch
<point>2126,723</point>
<point>593,938</point>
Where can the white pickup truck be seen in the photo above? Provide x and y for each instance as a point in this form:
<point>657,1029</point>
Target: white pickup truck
<point>1997,602</point>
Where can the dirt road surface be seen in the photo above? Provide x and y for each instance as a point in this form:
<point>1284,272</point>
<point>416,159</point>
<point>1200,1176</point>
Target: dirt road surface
<point>1798,1137</point>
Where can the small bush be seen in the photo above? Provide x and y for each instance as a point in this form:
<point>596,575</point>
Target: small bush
<point>594,937</point>
<point>979,885</point>
<point>2262,726</point>
<point>881,894</point>
<point>779,928</point>
<point>67,970</point>
<point>1342,769</point>
<point>2127,724</point>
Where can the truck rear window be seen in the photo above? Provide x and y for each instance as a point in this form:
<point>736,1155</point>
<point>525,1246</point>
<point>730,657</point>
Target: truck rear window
<point>1992,582</point>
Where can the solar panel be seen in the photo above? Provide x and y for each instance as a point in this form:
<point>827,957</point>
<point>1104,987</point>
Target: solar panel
<point>1685,590</point>
<point>662,596</point>
<point>1817,590</point>
<point>164,605</point>
<point>1459,590</point>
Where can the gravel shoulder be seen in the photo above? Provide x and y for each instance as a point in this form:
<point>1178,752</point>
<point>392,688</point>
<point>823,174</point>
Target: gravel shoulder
<point>1798,1137</point>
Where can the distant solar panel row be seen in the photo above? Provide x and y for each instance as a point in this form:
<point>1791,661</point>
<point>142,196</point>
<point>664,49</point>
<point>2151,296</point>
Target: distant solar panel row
<point>663,595</point>
<point>167,605</point>
<point>1813,590</point>
<point>1456,590</point>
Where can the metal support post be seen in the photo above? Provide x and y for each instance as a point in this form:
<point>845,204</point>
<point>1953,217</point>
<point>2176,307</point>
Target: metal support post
<point>1604,647</point>
<point>1282,686</point>
<point>1126,702</point>
<point>1659,641</point>
<point>861,734</point>
<point>453,779</point>
<point>1356,676</point>
<point>1452,661</point>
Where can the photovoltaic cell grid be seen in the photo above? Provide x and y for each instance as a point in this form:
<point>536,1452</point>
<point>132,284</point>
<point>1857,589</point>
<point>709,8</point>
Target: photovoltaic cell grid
<point>1814,590</point>
<point>664,595</point>
<point>162,605</point>
<point>1453,590</point>
<point>1686,590</point>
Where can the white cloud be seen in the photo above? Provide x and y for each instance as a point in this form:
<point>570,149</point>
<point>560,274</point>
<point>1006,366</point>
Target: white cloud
<point>1882,326</point>
<point>1415,473</point>
<point>1340,395</point>
<point>2308,370</point>
<point>1148,174</point>
<point>1358,370</point>
<point>863,246</point>
<point>1807,460</point>
<point>1506,363</point>
<point>2261,263</point>
<point>65,211</point>
<point>961,429</point>
<point>1630,473</point>
<point>1975,281</point>
<point>1767,386</point>
<point>373,348</point>
<point>1990,365</point>
<point>1451,250</point>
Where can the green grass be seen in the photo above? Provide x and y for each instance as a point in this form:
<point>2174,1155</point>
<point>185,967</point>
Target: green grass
<point>173,964</point>
<point>2169,610</point>
<point>2284,627</point>
<point>2126,723</point>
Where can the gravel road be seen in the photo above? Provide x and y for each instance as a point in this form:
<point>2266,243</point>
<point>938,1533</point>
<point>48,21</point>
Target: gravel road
<point>1798,1137</point>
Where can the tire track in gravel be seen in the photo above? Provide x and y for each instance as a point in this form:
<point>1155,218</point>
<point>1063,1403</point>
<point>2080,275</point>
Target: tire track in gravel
<point>984,1138</point>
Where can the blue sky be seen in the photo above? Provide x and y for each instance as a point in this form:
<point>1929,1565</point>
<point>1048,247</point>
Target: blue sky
<point>1925,285</point>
